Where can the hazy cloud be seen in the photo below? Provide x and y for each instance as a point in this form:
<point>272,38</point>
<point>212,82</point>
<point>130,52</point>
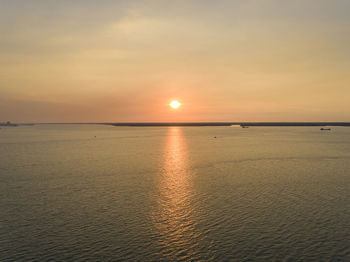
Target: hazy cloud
<point>227,60</point>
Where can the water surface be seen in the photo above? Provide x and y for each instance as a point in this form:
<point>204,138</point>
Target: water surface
<point>94,192</point>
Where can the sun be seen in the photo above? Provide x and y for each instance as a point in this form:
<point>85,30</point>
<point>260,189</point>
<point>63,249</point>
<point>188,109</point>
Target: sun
<point>175,104</point>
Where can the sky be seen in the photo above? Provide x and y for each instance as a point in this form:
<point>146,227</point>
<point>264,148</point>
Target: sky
<point>124,61</point>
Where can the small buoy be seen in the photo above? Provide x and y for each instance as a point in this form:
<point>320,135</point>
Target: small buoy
<point>214,136</point>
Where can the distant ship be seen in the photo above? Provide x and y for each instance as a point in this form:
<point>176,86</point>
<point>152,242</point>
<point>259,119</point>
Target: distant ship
<point>325,129</point>
<point>8,123</point>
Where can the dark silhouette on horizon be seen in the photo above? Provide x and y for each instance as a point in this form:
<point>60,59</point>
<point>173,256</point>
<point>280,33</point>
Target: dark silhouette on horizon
<point>242,124</point>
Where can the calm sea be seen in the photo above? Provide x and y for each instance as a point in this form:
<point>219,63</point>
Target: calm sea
<point>104,193</point>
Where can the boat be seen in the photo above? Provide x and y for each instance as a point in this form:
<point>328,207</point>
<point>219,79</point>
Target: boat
<point>325,129</point>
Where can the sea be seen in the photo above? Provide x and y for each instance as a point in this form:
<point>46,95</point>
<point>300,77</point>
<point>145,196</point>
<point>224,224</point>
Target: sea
<point>88,192</point>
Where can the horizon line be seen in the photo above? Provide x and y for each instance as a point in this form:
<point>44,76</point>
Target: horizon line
<point>203,123</point>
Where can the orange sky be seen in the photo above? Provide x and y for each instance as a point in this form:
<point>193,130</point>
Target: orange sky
<point>124,61</point>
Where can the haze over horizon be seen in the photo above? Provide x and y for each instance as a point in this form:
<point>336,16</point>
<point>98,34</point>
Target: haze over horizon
<point>124,61</point>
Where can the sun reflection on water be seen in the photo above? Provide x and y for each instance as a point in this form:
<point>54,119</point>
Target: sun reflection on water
<point>174,219</point>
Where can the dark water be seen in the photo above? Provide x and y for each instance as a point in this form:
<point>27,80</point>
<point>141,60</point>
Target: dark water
<point>174,194</point>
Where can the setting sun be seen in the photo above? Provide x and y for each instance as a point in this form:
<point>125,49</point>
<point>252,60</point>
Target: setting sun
<point>175,104</point>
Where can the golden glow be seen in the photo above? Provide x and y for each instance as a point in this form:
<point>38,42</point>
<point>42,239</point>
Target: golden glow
<point>175,104</point>
<point>174,217</point>
<point>110,67</point>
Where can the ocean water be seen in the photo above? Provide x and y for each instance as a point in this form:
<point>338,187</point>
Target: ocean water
<point>104,193</point>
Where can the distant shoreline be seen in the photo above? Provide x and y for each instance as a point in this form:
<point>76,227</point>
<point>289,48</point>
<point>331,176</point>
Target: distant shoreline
<point>271,124</point>
<point>165,124</point>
